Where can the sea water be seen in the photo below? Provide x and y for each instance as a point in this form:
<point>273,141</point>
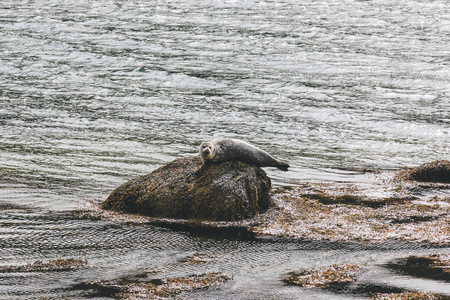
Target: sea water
<point>94,93</point>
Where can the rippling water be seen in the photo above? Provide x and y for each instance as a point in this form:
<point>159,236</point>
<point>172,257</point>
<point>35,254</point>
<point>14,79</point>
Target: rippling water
<point>93,93</point>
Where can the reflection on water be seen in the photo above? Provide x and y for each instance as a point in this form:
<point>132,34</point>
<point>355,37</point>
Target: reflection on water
<point>93,93</point>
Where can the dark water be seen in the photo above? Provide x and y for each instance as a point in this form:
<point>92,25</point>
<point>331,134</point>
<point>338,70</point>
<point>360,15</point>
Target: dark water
<point>93,93</point>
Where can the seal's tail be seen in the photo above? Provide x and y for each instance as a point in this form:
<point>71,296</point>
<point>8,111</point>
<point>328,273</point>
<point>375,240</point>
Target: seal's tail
<point>282,166</point>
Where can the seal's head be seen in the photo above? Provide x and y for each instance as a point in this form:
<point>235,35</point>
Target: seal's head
<point>207,151</point>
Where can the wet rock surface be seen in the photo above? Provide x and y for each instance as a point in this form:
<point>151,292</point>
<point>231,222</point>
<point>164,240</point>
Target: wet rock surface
<point>47,266</point>
<point>349,212</point>
<point>345,279</point>
<point>390,208</point>
<point>435,266</point>
<point>407,296</point>
<point>143,287</point>
<point>436,171</point>
<point>188,189</point>
<point>326,276</point>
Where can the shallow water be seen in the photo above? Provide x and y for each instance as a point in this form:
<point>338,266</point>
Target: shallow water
<point>116,250</point>
<point>93,93</point>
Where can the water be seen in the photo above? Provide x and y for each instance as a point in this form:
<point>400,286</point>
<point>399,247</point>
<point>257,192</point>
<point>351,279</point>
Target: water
<point>93,93</point>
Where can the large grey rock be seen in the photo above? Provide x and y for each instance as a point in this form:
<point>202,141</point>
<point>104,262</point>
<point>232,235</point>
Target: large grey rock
<point>188,189</point>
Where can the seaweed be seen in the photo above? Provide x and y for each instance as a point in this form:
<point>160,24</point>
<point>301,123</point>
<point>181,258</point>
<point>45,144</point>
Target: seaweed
<point>435,266</point>
<point>142,288</point>
<point>47,266</point>
<point>326,276</point>
<point>436,171</point>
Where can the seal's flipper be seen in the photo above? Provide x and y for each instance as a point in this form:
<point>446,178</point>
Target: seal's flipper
<point>283,166</point>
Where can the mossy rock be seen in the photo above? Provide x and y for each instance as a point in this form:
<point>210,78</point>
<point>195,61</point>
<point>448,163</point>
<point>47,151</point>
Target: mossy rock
<point>436,171</point>
<point>186,188</point>
<point>325,276</point>
<point>434,266</point>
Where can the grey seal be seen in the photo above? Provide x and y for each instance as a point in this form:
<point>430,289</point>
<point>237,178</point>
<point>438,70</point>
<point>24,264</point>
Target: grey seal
<point>222,150</point>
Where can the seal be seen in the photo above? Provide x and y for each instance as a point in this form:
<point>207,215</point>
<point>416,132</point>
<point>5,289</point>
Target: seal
<point>222,150</point>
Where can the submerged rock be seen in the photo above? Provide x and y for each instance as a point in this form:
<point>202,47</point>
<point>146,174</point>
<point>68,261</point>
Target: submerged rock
<point>325,276</point>
<point>436,266</point>
<point>46,266</point>
<point>161,288</point>
<point>188,189</point>
<point>436,171</point>
<point>407,296</point>
<point>377,213</point>
<point>345,278</point>
<point>200,258</point>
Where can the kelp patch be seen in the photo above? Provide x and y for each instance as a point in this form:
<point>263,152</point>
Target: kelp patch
<point>326,276</point>
<point>47,266</point>
<point>435,266</point>
<point>160,288</point>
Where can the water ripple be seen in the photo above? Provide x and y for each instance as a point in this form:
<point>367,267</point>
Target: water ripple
<point>95,93</point>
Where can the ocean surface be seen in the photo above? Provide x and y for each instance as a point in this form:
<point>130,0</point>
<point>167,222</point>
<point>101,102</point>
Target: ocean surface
<point>94,93</point>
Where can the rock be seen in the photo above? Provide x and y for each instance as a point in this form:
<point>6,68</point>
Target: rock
<point>434,266</point>
<point>378,212</point>
<point>391,208</point>
<point>325,276</point>
<point>46,266</point>
<point>188,189</point>
<point>436,171</point>
<point>407,296</point>
<point>142,287</point>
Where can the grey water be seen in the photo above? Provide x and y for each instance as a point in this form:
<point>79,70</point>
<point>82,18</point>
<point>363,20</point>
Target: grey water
<point>93,93</point>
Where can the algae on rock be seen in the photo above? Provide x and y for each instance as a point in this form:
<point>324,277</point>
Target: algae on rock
<point>436,171</point>
<point>186,188</point>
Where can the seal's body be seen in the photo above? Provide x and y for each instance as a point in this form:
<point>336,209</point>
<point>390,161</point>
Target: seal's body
<point>222,150</point>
